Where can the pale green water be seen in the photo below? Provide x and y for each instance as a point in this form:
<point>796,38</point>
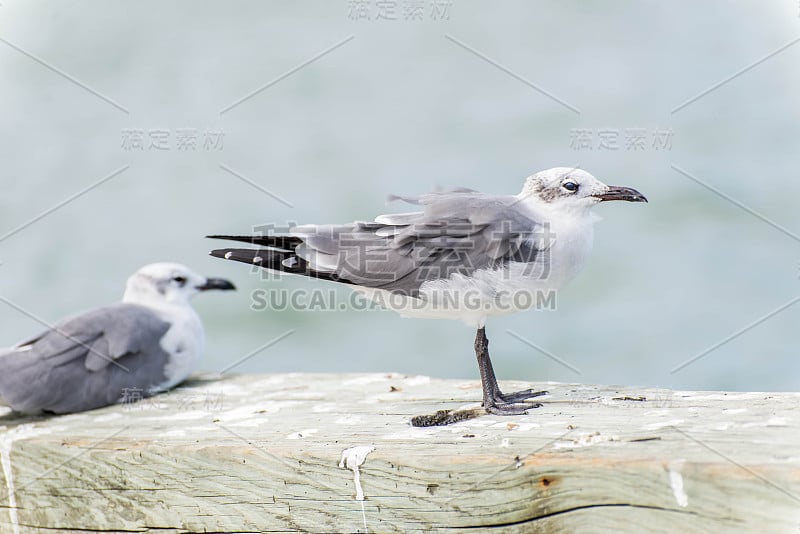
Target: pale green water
<point>400,108</point>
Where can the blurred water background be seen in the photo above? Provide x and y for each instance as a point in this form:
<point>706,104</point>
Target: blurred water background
<point>402,107</point>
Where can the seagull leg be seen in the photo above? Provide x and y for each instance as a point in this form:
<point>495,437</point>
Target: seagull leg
<point>494,400</point>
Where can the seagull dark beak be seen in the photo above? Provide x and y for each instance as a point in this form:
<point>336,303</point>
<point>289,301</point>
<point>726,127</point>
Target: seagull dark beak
<point>621,193</point>
<point>216,283</point>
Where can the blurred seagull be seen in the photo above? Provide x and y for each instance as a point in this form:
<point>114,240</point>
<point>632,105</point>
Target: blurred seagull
<point>146,344</point>
<point>464,255</point>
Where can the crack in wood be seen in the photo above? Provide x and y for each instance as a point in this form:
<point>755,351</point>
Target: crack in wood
<point>577,509</point>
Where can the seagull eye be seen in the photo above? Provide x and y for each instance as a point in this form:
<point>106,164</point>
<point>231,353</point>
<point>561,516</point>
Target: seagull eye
<point>181,280</point>
<point>570,186</point>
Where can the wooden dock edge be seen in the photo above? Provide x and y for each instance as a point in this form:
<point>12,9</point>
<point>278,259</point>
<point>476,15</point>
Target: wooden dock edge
<point>336,453</point>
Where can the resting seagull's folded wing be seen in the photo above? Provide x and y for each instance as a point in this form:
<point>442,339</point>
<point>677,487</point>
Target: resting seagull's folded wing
<point>86,361</point>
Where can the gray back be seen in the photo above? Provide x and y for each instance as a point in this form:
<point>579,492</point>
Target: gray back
<point>456,232</point>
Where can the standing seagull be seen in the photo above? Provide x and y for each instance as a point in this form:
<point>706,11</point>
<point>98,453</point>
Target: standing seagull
<point>146,344</point>
<point>464,255</point>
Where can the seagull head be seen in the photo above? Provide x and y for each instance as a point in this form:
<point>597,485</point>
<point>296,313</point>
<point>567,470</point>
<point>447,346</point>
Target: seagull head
<point>575,189</point>
<point>172,283</point>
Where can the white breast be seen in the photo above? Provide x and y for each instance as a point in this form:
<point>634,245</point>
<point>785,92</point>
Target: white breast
<point>574,238</point>
<point>184,343</point>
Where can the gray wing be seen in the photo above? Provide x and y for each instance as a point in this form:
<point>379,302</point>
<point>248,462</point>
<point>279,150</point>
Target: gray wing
<point>456,232</point>
<point>85,362</point>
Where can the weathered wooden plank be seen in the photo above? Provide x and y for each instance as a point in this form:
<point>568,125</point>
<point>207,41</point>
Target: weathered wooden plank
<point>265,453</point>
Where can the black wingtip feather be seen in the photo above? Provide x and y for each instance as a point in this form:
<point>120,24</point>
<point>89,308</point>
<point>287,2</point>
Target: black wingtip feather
<point>284,242</point>
<point>244,255</point>
<point>273,260</point>
<point>242,238</point>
